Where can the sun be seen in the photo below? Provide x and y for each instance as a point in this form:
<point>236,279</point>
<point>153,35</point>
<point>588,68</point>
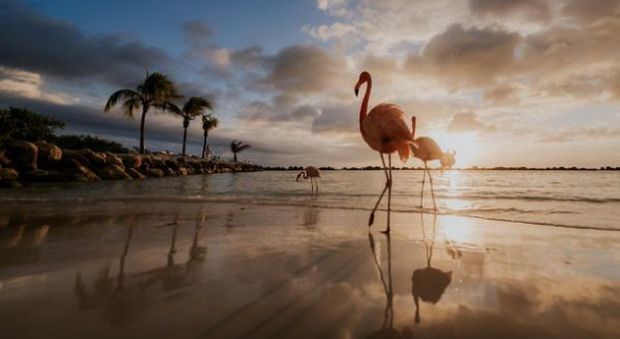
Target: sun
<point>466,146</point>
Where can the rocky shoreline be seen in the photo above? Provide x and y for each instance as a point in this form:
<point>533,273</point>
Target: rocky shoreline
<point>24,162</point>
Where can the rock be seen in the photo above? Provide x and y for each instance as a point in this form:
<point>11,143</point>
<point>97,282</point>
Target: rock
<point>95,160</point>
<point>183,171</point>
<point>76,171</point>
<point>169,172</point>
<point>48,153</point>
<point>172,164</point>
<point>112,159</point>
<point>8,174</point>
<point>131,160</point>
<point>156,172</point>
<point>135,174</point>
<point>23,154</point>
<point>113,172</point>
<point>4,160</point>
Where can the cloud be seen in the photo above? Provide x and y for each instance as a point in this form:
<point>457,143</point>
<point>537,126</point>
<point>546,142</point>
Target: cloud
<point>580,134</point>
<point>537,10</point>
<point>590,11</point>
<point>333,7</point>
<point>32,42</point>
<point>468,122</point>
<point>30,85</point>
<point>306,69</point>
<point>467,56</point>
<point>337,120</point>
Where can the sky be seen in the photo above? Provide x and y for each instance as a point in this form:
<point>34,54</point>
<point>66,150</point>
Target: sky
<point>503,83</point>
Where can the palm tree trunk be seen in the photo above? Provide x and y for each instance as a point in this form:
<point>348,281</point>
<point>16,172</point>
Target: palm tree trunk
<point>204,144</point>
<point>184,139</point>
<point>235,157</point>
<point>142,119</point>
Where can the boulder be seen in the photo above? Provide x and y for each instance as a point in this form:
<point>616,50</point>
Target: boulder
<point>135,174</point>
<point>4,160</point>
<point>23,154</point>
<point>183,171</point>
<point>155,172</point>
<point>76,171</point>
<point>8,174</point>
<point>112,159</point>
<point>172,164</point>
<point>113,172</point>
<point>48,154</point>
<point>131,160</point>
<point>169,172</point>
<point>95,160</point>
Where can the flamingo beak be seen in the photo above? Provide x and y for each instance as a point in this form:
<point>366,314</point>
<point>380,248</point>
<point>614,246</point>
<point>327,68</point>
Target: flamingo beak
<point>357,89</point>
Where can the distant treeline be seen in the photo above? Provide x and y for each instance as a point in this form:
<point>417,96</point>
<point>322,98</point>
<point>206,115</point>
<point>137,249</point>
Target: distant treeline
<point>474,168</point>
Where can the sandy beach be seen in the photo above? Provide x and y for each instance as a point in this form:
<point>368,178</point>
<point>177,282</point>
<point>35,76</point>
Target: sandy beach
<point>233,270</point>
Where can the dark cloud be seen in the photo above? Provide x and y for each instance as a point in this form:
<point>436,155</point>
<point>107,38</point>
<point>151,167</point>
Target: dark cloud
<point>468,122</point>
<point>198,33</point>
<point>33,42</point>
<point>338,119</point>
<point>537,10</point>
<point>282,108</point>
<point>306,69</point>
<point>467,56</point>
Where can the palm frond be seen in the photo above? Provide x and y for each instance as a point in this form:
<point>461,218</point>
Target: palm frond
<point>195,105</point>
<point>209,122</point>
<point>130,105</point>
<point>120,95</point>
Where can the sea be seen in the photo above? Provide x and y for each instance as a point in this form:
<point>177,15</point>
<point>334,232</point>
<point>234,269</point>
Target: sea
<point>575,199</point>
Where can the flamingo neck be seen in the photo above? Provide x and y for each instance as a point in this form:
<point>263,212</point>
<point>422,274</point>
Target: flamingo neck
<point>305,175</point>
<point>364,108</point>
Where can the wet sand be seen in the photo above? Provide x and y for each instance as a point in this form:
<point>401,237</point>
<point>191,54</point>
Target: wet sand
<point>222,270</point>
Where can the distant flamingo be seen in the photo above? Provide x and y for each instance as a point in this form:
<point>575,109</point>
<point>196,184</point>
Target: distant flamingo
<point>426,149</point>
<point>385,130</point>
<point>312,173</point>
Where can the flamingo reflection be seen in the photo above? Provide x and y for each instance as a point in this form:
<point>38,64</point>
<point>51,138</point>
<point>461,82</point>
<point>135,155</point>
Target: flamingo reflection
<point>428,283</point>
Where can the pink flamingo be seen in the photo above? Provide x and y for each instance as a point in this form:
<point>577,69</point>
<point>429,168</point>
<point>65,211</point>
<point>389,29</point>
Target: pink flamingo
<point>385,130</point>
<point>312,173</point>
<point>426,149</point>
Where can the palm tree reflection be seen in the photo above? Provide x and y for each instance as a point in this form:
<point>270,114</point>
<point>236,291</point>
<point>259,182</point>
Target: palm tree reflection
<point>127,297</point>
<point>428,283</point>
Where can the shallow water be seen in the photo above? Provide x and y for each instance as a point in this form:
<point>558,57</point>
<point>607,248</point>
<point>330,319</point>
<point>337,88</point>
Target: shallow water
<point>584,199</point>
<point>192,269</point>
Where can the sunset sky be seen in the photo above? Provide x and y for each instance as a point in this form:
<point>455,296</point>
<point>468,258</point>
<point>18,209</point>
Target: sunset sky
<point>504,83</point>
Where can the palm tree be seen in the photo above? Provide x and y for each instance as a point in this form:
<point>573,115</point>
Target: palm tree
<point>156,91</point>
<point>192,108</point>
<point>236,147</point>
<point>209,122</point>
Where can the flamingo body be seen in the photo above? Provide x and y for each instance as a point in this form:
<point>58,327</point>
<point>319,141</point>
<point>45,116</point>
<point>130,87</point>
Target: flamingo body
<point>426,149</point>
<point>384,129</point>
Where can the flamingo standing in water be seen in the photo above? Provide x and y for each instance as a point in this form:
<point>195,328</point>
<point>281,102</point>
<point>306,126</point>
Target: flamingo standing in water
<point>312,173</point>
<point>426,149</point>
<point>385,130</point>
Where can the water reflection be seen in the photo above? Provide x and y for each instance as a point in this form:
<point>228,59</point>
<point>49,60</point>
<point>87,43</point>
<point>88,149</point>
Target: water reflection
<point>387,328</point>
<point>126,297</point>
<point>21,244</point>
<point>428,283</point>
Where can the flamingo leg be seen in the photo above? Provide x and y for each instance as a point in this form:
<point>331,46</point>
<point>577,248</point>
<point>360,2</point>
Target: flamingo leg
<point>422,190</point>
<point>389,209</point>
<point>387,184</point>
<point>430,178</point>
